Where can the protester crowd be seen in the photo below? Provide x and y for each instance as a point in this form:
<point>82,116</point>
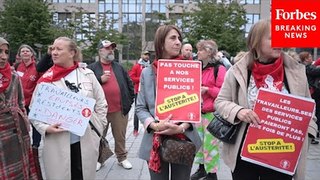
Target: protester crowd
<point>229,87</point>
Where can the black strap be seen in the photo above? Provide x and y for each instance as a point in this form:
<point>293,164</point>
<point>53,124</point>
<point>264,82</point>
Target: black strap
<point>216,69</point>
<point>248,77</point>
<point>96,130</point>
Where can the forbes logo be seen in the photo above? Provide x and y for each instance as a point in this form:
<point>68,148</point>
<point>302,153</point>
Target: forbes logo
<point>281,14</point>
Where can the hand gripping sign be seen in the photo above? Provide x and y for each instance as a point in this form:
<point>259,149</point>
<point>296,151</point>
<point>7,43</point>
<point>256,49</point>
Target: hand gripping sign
<point>55,105</point>
<point>277,142</point>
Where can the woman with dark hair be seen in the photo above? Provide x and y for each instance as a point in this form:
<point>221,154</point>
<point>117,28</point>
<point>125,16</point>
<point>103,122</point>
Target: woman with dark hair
<point>167,46</point>
<point>15,150</point>
<point>267,67</point>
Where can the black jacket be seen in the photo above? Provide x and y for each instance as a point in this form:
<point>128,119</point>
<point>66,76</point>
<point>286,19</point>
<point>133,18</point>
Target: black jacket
<point>45,63</point>
<point>124,81</point>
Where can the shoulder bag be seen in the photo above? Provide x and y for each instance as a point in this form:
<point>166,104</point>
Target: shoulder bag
<point>223,130</point>
<point>104,149</point>
<point>177,151</point>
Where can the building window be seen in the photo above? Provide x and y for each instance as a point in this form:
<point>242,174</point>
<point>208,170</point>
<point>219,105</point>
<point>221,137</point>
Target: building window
<point>250,2</point>
<point>179,1</point>
<point>85,1</point>
<point>251,19</point>
<point>62,1</point>
<point>62,19</point>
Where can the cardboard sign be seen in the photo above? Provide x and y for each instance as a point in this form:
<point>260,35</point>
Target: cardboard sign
<point>55,105</point>
<point>295,23</point>
<point>277,142</point>
<point>178,90</point>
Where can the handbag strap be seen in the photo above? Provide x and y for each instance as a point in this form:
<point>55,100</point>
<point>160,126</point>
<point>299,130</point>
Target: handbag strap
<point>96,130</point>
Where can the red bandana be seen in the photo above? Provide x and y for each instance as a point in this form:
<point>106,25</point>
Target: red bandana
<point>5,77</point>
<point>274,72</point>
<point>155,64</point>
<point>56,72</point>
<point>154,161</point>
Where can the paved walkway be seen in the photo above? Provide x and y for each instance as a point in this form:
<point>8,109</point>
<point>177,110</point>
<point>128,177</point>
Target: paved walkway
<point>112,171</point>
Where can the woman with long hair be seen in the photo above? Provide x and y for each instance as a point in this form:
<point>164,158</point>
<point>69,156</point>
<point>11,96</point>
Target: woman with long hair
<point>167,46</point>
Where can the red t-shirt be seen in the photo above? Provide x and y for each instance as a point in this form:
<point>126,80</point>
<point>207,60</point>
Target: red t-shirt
<point>111,90</point>
<point>29,77</point>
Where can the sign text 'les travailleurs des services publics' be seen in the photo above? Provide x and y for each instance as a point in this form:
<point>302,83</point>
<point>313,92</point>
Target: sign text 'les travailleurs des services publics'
<point>277,142</point>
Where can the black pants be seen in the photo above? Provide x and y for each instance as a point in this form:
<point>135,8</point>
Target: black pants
<point>135,120</point>
<point>249,171</point>
<point>76,164</point>
<point>175,171</point>
<point>316,97</point>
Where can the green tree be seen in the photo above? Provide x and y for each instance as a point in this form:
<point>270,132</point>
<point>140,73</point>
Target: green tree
<point>221,21</point>
<point>84,28</point>
<point>26,22</point>
<point>132,50</point>
<point>93,34</point>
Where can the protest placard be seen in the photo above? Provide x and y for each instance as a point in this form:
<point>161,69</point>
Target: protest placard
<point>178,90</point>
<point>277,142</point>
<point>55,105</point>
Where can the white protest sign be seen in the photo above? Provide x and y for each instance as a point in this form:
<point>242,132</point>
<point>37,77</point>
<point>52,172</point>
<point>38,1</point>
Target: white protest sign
<point>53,105</point>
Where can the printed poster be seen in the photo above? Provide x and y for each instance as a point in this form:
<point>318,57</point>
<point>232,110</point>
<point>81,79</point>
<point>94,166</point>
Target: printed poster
<point>178,90</point>
<point>278,141</point>
<point>53,105</point>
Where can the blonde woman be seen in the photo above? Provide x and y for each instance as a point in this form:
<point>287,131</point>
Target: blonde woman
<point>66,155</point>
<point>213,72</point>
<point>238,93</point>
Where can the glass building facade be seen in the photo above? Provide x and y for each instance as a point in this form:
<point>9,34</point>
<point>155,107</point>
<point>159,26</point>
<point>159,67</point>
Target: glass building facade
<point>139,19</point>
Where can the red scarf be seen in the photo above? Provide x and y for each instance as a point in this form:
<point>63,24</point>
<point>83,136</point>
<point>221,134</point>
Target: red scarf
<point>5,77</point>
<point>56,72</point>
<point>261,71</point>
<point>154,65</point>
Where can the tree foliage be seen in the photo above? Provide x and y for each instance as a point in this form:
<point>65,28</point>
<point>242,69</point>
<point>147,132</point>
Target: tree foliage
<point>26,22</point>
<point>132,49</point>
<point>81,24</point>
<point>221,21</point>
<point>93,34</point>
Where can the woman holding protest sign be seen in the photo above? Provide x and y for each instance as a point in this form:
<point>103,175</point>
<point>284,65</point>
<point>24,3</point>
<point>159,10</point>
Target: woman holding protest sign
<point>213,72</point>
<point>262,66</point>
<point>67,155</point>
<point>167,46</point>
<point>15,149</point>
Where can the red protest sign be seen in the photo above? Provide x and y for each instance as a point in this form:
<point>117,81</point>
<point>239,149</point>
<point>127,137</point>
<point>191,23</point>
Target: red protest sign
<point>277,142</point>
<point>178,90</point>
<point>295,23</point>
